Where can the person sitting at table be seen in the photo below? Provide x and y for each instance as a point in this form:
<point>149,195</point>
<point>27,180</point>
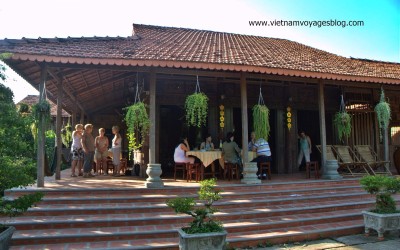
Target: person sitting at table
<point>252,141</point>
<point>207,144</point>
<point>263,155</point>
<point>231,151</point>
<point>180,152</point>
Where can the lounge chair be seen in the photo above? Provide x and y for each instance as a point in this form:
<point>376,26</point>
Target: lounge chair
<point>349,163</point>
<point>367,154</point>
<point>329,152</point>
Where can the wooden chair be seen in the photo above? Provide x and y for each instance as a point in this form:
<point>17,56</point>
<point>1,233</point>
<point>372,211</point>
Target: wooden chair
<point>123,165</point>
<point>231,169</point>
<point>312,165</point>
<point>110,165</point>
<point>266,166</point>
<point>180,166</point>
<point>193,170</point>
<point>329,152</point>
<point>349,163</point>
<point>367,154</point>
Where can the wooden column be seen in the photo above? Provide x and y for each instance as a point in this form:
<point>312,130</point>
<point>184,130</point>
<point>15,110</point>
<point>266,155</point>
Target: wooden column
<point>82,117</point>
<point>321,105</point>
<point>152,134</point>
<point>41,132</point>
<point>74,122</point>
<point>245,130</point>
<point>58,128</point>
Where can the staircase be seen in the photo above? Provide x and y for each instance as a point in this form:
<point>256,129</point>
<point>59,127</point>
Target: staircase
<point>137,218</point>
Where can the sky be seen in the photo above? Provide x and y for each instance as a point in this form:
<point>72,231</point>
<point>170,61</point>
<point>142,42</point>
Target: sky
<point>378,38</point>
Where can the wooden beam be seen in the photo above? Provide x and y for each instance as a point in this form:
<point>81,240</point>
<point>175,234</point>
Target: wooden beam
<point>152,134</point>
<point>41,132</point>
<point>58,128</point>
<point>245,130</point>
<point>66,91</point>
<point>321,105</point>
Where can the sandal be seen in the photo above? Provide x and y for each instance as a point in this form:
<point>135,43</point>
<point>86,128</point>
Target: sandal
<point>74,175</point>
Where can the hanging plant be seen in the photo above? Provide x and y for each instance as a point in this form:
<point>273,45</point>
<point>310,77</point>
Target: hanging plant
<point>261,125</point>
<point>196,107</point>
<point>41,109</point>
<point>342,121</point>
<point>383,112</point>
<point>66,135</point>
<point>138,124</point>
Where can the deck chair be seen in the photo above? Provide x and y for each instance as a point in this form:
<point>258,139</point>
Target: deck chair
<point>349,163</point>
<point>367,154</point>
<point>329,152</point>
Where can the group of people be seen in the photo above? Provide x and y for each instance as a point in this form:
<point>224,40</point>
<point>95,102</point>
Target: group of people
<point>231,152</point>
<point>85,149</point>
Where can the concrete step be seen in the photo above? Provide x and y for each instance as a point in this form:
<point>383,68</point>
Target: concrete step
<point>273,236</point>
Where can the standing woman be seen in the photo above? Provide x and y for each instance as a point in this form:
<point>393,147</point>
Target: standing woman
<point>305,148</point>
<point>101,152</point>
<point>116,150</point>
<point>76,150</point>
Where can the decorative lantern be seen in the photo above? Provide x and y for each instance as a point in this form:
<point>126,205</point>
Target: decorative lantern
<point>221,116</point>
<point>289,117</point>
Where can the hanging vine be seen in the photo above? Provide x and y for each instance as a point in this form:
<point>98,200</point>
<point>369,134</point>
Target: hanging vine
<point>66,134</point>
<point>137,122</point>
<point>196,107</point>
<point>342,121</point>
<point>261,125</point>
<point>383,112</point>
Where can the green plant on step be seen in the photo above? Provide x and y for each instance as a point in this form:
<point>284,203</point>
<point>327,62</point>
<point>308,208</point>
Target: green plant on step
<point>383,187</point>
<point>196,108</point>
<point>202,216</point>
<point>261,125</point>
<point>383,112</point>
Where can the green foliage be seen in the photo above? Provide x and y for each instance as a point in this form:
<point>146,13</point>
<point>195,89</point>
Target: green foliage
<point>261,125</point>
<point>196,107</point>
<point>202,222</point>
<point>342,122</point>
<point>2,67</point>
<point>383,112</point>
<point>17,158</point>
<point>138,125</point>
<point>50,144</point>
<point>66,135</point>
<point>382,187</point>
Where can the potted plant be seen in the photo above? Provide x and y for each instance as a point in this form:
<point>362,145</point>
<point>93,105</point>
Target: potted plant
<point>203,232</point>
<point>384,216</point>
<point>196,107</point>
<point>383,112</point>
<point>342,122</point>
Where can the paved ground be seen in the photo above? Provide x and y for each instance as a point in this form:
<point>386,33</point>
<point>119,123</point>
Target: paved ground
<point>352,242</point>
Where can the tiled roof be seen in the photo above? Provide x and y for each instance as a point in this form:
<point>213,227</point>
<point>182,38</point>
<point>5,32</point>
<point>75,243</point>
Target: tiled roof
<point>201,49</point>
<point>33,99</point>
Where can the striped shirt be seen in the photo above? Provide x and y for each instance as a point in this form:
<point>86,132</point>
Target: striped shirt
<point>262,147</point>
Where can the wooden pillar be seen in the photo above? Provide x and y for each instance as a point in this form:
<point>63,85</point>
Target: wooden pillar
<point>41,132</point>
<point>58,128</point>
<point>321,105</point>
<point>73,122</point>
<point>82,117</point>
<point>152,134</point>
<point>245,130</point>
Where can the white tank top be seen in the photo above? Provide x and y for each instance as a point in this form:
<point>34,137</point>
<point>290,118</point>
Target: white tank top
<point>76,140</point>
<point>116,140</point>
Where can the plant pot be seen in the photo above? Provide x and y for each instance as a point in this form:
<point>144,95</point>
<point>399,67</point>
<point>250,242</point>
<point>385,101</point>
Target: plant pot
<point>5,237</point>
<point>381,222</point>
<point>203,241</point>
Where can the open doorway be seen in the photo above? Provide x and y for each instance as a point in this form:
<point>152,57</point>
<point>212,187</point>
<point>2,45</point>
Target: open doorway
<point>308,121</point>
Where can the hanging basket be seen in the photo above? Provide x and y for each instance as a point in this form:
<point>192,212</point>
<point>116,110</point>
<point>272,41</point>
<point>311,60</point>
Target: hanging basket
<point>261,125</point>
<point>342,121</point>
<point>383,112</point>
<point>138,125</point>
<point>196,108</point>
